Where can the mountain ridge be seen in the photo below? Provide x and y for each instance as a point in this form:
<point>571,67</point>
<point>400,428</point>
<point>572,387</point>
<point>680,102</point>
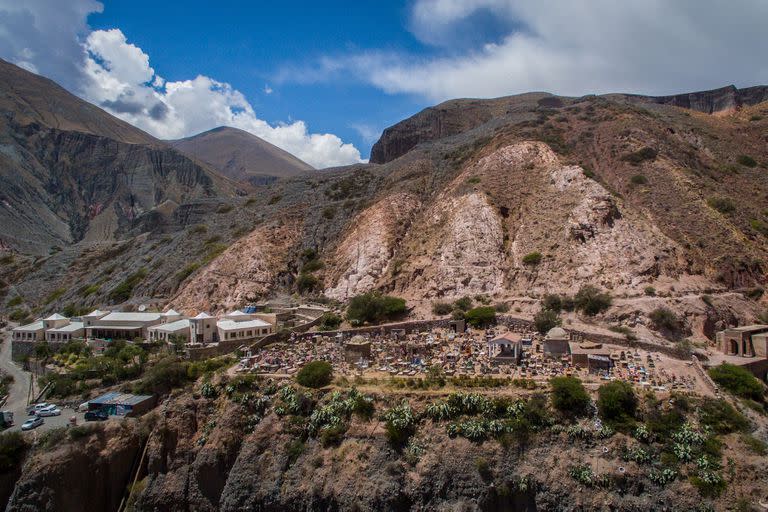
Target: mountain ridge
<point>240,155</point>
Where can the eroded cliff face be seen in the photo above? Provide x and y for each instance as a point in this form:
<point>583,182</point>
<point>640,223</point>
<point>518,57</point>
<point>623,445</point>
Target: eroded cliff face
<point>365,253</point>
<point>243,272</point>
<point>210,454</point>
<point>472,237</point>
<point>89,473</point>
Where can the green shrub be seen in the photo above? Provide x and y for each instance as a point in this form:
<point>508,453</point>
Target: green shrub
<point>616,402</point>
<point>746,161</point>
<point>86,291</point>
<point>374,307</point>
<point>665,320</point>
<point>123,291</point>
<point>591,301</point>
<point>187,271</point>
<point>164,376</point>
<point>330,321</point>
<point>650,291</point>
<point>532,258</point>
<point>306,282</point>
<point>638,179</point>
<point>721,417</point>
<point>640,156</point>
<point>464,303</point>
<point>569,396</point>
<point>755,445</point>
<point>545,320</point>
<point>501,307</point>
<point>315,374</point>
<point>15,301</point>
<point>738,381</point>
<point>54,295</point>
<point>329,212</point>
<point>481,316</point>
<point>441,308</point>
<point>721,204</point>
<point>294,451</point>
<point>552,302</point>
<point>224,208</point>
<point>400,424</point>
<point>759,226</point>
<point>274,199</point>
<point>312,265</point>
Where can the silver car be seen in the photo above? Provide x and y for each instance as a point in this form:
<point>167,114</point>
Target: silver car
<point>49,411</point>
<point>32,423</point>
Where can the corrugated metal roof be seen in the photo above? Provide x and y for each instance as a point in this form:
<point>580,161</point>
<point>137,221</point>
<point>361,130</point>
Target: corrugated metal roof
<point>117,398</point>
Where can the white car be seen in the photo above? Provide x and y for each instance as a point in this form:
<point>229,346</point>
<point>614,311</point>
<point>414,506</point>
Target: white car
<point>49,411</point>
<point>32,423</point>
<point>37,408</point>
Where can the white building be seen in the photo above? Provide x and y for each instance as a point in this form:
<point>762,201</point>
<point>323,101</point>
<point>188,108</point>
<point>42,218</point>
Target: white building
<point>69,332</point>
<point>93,316</point>
<point>243,330</point>
<point>202,329</point>
<point>30,332</point>
<point>122,326</point>
<point>165,331</point>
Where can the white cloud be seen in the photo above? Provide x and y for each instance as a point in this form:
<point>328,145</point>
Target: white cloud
<point>572,48</point>
<point>268,89</point>
<point>106,69</point>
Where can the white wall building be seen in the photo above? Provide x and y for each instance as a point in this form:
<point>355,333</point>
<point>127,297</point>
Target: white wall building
<point>122,326</point>
<point>165,331</point>
<point>30,332</point>
<point>243,330</point>
<point>202,329</point>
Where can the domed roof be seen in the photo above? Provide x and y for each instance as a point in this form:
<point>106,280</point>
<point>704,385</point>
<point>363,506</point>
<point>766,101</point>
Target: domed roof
<point>557,332</point>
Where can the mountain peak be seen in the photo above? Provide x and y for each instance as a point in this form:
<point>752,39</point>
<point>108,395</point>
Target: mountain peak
<point>241,155</point>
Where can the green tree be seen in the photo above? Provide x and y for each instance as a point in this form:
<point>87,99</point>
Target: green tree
<point>315,374</point>
<point>616,402</point>
<point>553,302</point>
<point>545,320</point>
<point>569,396</point>
<point>374,307</point>
<point>591,301</point>
<point>464,303</point>
<point>481,317</point>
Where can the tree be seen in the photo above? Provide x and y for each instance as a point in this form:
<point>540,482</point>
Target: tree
<point>545,320</point>
<point>481,317</point>
<point>616,402</point>
<point>664,320</point>
<point>374,307</point>
<point>569,396</point>
<point>315,374</point>
<point>464,303</point>
<point>591,301</point>
<point>330,321</point>
<point>552,301</point>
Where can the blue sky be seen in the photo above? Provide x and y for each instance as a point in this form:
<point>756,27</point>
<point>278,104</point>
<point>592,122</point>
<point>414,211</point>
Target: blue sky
<point>247,43</point>
<point>322,79</point>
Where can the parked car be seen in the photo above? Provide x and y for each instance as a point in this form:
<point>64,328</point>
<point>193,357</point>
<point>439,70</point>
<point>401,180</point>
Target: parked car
<point>37,407</point>
<point>96,416</point>
<point>32,423</point>
<point>49,411</point>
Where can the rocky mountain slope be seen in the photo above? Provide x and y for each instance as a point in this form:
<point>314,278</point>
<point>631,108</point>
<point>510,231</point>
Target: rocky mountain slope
<point>71,172</point>
<point>252,447</point>
<point>623,192</point>
<point>241,156</point>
